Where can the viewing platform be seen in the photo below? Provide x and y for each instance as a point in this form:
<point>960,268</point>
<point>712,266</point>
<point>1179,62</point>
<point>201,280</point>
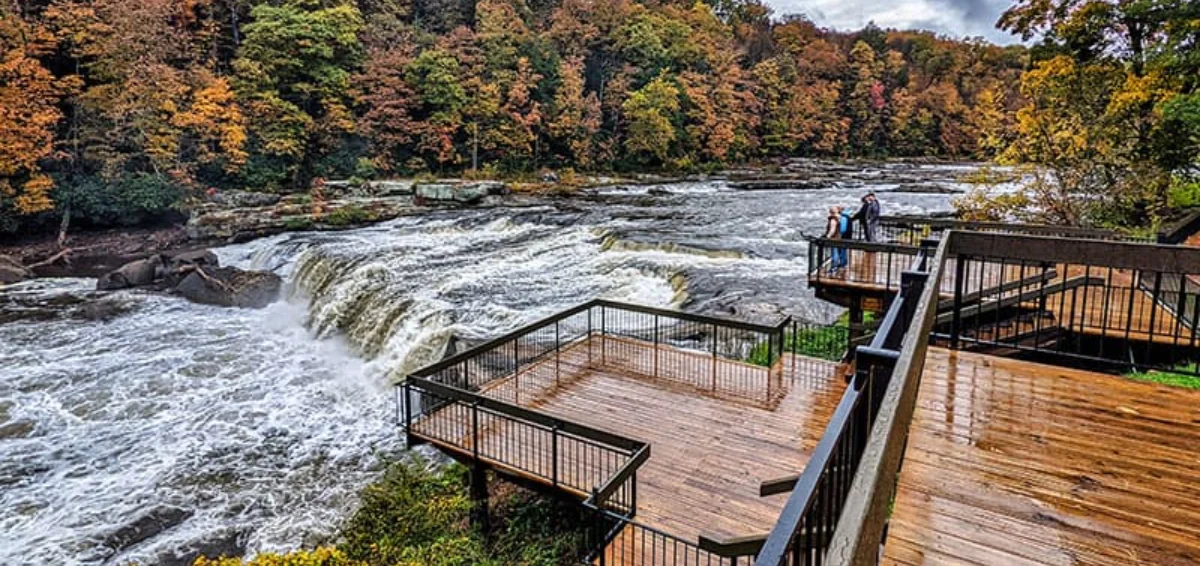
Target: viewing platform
<point>1017,463</point>
<point>990,389</point>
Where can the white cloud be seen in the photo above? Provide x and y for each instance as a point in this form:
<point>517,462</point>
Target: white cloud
<point>956,18</point>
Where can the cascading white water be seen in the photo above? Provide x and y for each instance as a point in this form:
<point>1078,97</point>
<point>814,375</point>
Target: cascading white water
<point>176,427</point>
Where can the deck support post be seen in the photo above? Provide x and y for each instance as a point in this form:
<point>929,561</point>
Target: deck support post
<point>406,391</point>
<point>856,318</point>
<point>480,518</point>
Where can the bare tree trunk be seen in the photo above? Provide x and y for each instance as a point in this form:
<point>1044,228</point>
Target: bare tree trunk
<point>233,19</point>
<point>62,228</point>
<point>475,148</point>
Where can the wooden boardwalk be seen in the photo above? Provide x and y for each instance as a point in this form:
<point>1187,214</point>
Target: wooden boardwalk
<point>1016,463</point>
<point>1113,306</point>
<point>713,442</point>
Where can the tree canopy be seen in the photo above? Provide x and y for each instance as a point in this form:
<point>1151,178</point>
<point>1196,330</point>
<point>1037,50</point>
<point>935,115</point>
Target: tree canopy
<point>134,105</point>
<point>1111,120</point>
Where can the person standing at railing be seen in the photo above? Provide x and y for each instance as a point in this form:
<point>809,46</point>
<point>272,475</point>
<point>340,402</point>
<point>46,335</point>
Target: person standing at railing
<point>868,214</point>
<point>837,225</point>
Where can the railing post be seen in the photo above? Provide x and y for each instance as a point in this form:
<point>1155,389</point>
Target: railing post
<point>516,370</point>
<point>475,430</point>
<point>912,284</point>
<point>554,454</point>
<point>633,494</point>
<point>407,388</point>
<point>556,352</point>
<point>714,357</point>
<point>603,336</point>
<point>589,336</point>
<point>956,321</point>
<point>655,346</point>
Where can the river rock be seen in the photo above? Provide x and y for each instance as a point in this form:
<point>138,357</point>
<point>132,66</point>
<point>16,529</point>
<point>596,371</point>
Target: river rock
<point>392,188</point>
<point>777,184</point>
<point>244,199</point>
<point>12,271</point>
<point>133,274</point>
<point>195,258</point>
<point>464,193</point>
<point>930,189</point>
<point>231,287</point>
<point>153,523</point>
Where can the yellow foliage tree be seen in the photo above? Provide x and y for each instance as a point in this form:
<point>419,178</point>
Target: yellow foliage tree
<point>29,95</point>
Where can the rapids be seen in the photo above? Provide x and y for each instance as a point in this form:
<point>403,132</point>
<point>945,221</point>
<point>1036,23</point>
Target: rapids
<point>175,428</point>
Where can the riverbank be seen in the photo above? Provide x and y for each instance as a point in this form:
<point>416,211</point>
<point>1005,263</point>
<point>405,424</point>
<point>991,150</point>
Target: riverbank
<point>230,217</point>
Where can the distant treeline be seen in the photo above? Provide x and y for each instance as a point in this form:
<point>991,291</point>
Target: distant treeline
<point>114,109</point>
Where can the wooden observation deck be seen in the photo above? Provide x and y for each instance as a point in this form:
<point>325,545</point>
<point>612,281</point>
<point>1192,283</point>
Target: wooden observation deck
<point>1017,463</point>
<point>987,390</point>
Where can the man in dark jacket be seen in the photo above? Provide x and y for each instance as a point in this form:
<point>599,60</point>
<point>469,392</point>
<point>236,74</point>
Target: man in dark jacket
<point>869,214</point>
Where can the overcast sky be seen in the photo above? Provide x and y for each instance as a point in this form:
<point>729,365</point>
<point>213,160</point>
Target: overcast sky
<point>952,17</point>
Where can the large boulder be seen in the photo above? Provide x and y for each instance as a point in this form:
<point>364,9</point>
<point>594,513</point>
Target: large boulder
<point>244,199</point>
<point>458,192</point>
<point>133,274</point>
<point>392,188</point>
<point>195,258</point>
<point>11,271</point>
<point>230,287</point>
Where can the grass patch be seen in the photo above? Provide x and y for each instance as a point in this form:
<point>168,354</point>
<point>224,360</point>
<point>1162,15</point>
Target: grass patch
<point>416,517</point>
<point>822,342</point>
<point>1171,378</point>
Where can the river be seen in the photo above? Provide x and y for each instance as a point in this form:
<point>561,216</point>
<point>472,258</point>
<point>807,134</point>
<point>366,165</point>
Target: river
<point>170,428</point>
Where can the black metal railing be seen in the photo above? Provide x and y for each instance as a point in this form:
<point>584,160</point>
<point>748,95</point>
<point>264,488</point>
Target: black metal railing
<point>716,355</point>
<point>556,452</point>
<point>1180,230</point>
<point>616,540</point>
<point>1117,303</point>
<point>474,403</point>
<point>855,262</point>
<point>1036,283</point>
<point>911,230</point>
<point>805,527</point>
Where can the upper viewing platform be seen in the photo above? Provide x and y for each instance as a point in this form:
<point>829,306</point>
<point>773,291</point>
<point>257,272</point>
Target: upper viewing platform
<point>990,388</point>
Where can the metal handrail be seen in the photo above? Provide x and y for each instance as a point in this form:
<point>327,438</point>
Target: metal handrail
<point>811,511</point>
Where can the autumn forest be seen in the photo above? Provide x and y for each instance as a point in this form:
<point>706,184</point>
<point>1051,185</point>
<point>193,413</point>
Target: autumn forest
<point>115,110</point>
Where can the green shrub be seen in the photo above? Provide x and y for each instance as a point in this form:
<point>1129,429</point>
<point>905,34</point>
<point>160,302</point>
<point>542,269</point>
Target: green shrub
<point>415,517</point>
<point>349,215</point>
<point>823,342</point>
<point>298,223</point>
<point>126,201</point>
<point>1184,193</point>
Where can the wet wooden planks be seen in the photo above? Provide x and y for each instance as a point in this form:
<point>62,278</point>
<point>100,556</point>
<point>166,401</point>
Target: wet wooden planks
<point>712,442</point>
<point>1011,462</point>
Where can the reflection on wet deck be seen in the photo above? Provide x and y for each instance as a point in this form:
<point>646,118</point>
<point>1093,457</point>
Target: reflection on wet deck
<point>1011,462</point>
<point>715,435</point>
